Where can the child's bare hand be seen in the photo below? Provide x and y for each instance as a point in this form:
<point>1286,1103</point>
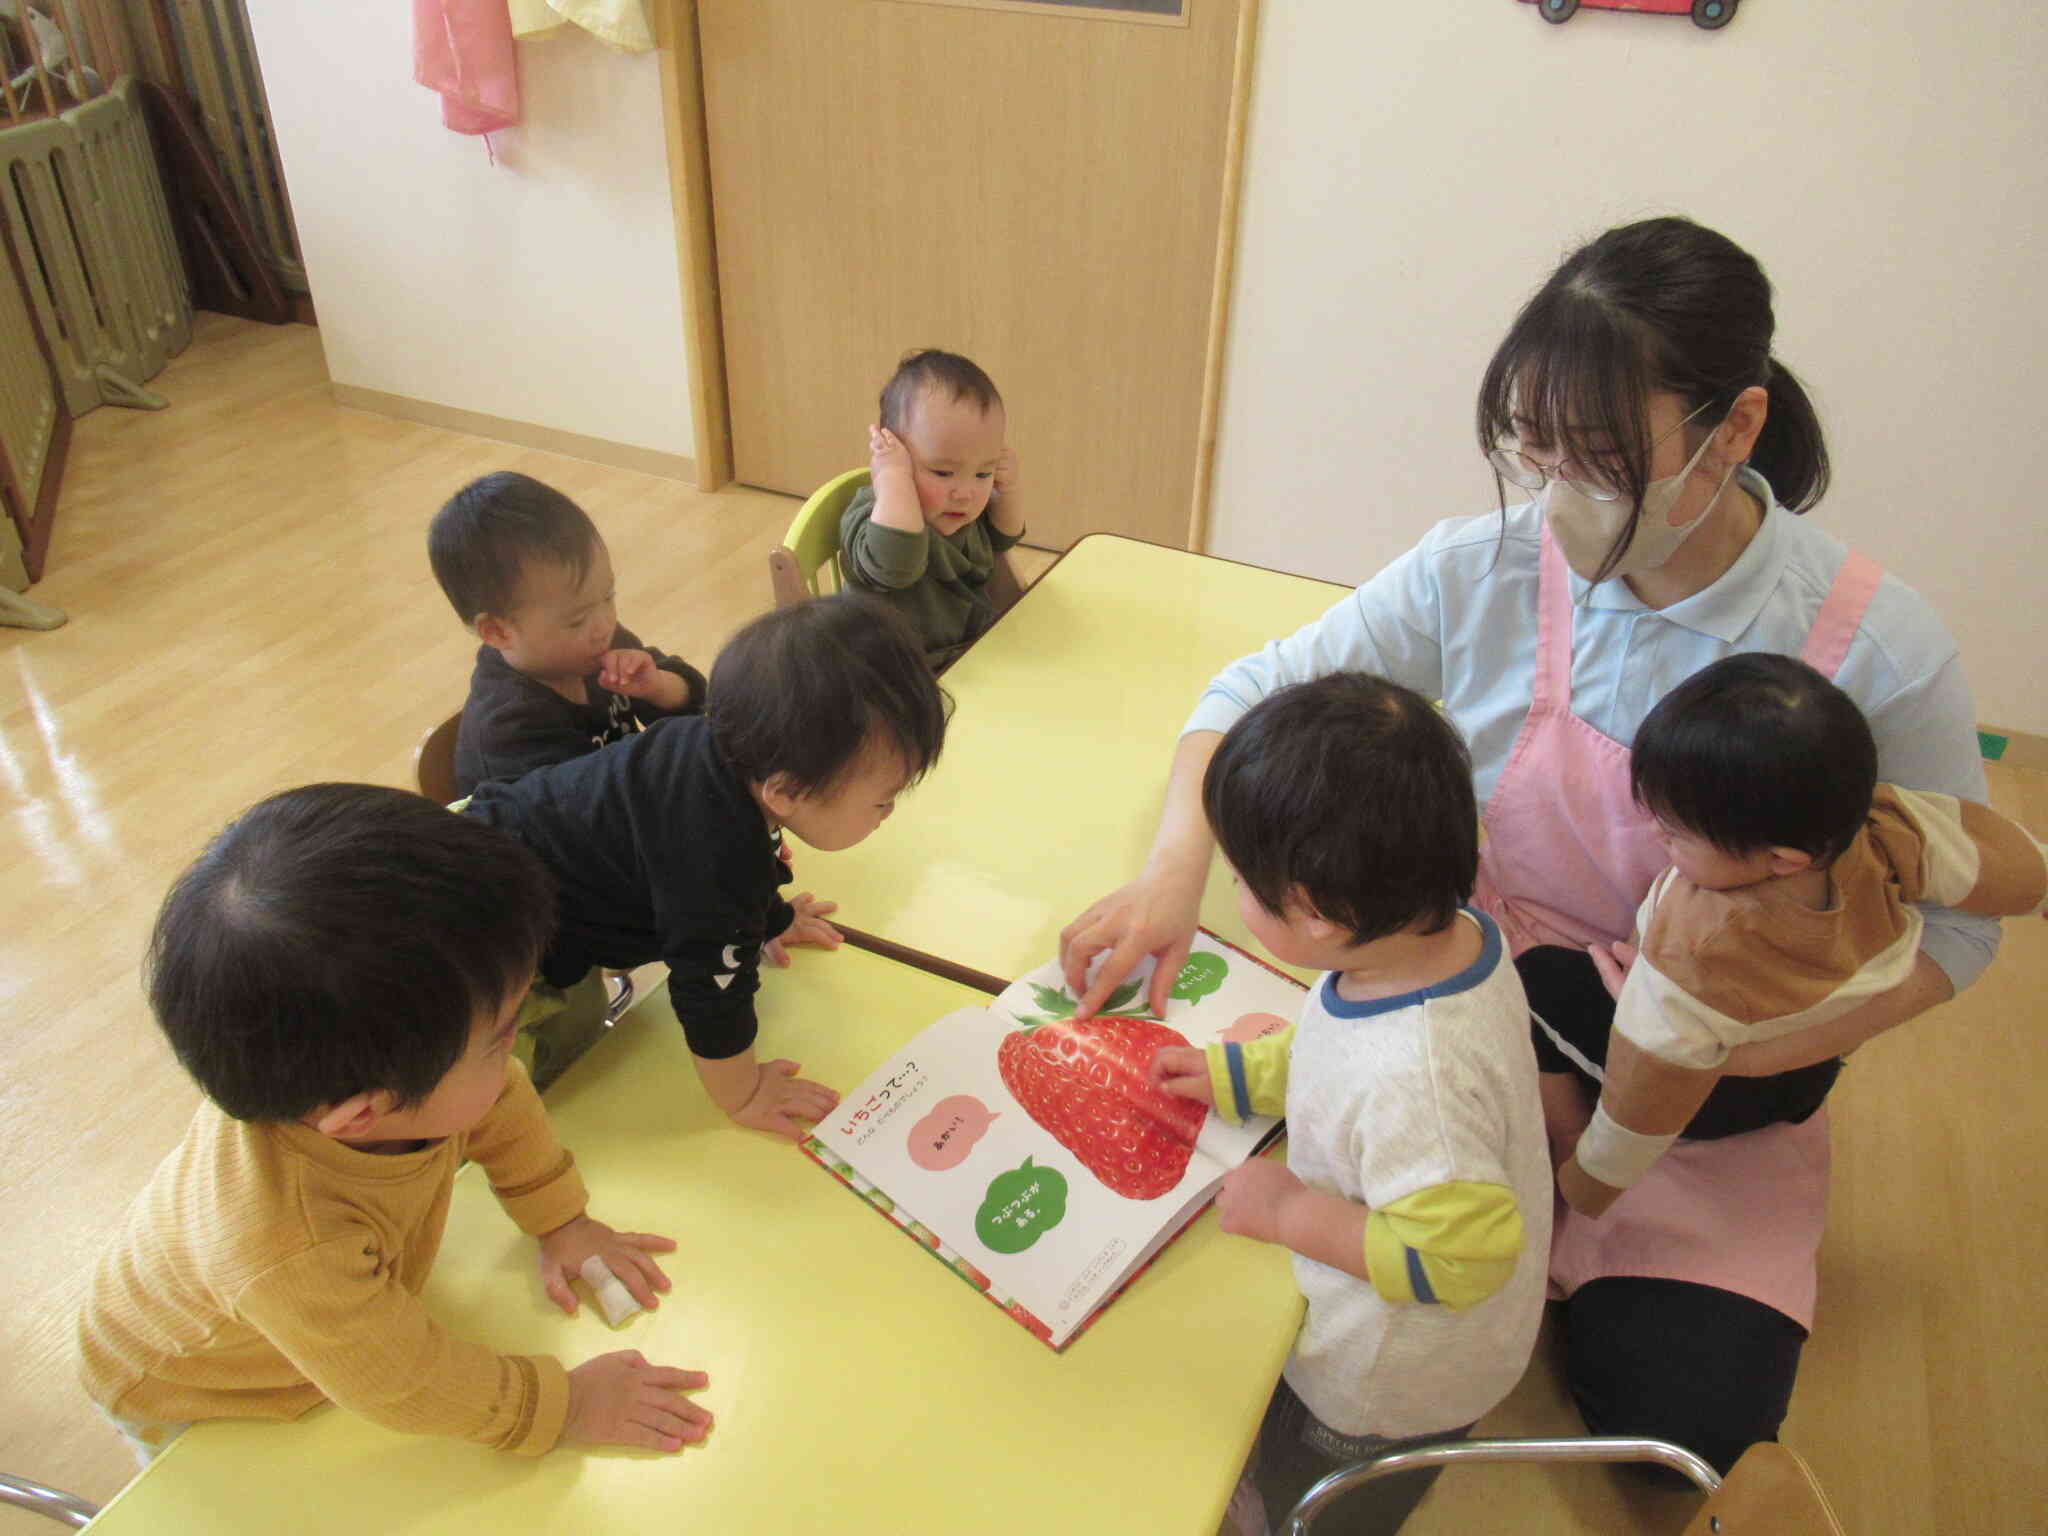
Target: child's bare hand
<point>1006,471</point>
<point>809,925</point>
<point>619,1399</point>
<point>626,1254</point>
<point>781,1099</point>
<point>886,454</point>
<point>1182,1070</point>
<point>634,674</point>
<point>1612,961</point>
<point>1253,1196</point>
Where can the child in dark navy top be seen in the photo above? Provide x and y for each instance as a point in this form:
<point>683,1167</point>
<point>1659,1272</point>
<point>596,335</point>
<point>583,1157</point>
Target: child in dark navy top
<point>666,846</point>
<point>557,675</point>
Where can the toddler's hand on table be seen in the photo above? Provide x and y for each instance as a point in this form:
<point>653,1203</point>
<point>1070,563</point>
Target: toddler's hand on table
<point>1183,1071</point>
<point>809,925</point>
<point>1254,1196</point>
<point>625,1254</point>
<point>1612,961</point>
<point>620,1399</point>
<point>781,1099</point>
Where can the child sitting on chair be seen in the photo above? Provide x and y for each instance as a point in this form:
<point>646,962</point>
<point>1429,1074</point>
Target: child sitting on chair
<point>667,846</point>
<point>916,536</point>
<point>339,970</point>
<point>1416,1195</point>
<point>557,675</point>
<point>1788,902</point>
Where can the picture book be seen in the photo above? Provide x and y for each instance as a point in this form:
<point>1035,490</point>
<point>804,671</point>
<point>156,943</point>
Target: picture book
<point>1029,1152</point>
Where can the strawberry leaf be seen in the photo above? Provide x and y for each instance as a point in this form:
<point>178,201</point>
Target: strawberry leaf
<point>1121,999</point>
<point>1057,1005</point>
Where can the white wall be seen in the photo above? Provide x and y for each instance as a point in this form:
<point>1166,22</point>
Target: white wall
<point>542,289</point>
<point>1414,170</point>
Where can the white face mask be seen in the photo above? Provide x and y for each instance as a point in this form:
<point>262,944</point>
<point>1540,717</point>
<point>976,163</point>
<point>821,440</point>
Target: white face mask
<point>1586,529</point>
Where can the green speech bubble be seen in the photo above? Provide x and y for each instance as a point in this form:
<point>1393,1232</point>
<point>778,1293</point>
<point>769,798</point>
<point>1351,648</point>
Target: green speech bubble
<point>1021,1206</point>
<point>1202,975</point>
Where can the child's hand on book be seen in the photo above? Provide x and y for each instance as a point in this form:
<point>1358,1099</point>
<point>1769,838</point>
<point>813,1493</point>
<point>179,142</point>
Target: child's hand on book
<point>627,1254</point>
<point>1182,1070</point>
<point>1254,1199</point>
<point>620,1399</point>
<point>785,1104</point>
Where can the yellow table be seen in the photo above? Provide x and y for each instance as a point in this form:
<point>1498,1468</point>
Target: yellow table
<point>1049,789</point>
<point>859,1385</point>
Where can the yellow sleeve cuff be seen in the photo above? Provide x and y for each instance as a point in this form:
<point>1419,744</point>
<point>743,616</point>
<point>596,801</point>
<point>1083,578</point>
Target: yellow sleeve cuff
<point>1452,1244</point>
<point>1250,1078</point>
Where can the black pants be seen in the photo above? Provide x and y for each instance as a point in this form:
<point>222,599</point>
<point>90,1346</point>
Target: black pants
<point>1297,1450</point>
<point>1693,1364</point>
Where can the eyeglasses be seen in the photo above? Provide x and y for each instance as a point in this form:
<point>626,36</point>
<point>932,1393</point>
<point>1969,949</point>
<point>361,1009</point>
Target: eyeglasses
<point>1517,468</point>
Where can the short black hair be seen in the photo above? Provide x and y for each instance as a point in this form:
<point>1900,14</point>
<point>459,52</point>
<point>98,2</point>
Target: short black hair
<point>946,372</point>
<point>1757,751</point>
<point>481,541</point>
<point>341,939</point>
<point>1358,791</point>
<point>802,692</point>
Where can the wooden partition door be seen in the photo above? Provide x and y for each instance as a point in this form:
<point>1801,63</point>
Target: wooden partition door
<point>1040,187</point>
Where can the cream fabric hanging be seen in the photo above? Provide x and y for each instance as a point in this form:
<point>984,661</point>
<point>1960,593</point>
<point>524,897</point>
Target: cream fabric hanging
<point>622,23</point>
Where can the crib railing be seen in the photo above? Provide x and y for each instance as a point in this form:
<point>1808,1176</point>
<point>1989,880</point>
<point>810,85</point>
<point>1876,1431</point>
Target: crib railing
<point>60,54</point>
<point>29,407</point>
<point>217,58</point>
<point>84,206</point>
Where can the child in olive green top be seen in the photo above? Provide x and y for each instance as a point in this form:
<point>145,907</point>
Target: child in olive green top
<point>916,536</point>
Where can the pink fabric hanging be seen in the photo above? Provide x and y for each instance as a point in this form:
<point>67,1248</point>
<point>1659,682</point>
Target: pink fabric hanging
<point>462,49</point>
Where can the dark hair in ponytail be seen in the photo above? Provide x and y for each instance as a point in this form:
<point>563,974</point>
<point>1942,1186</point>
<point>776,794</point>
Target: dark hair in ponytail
<point>1661,305</point>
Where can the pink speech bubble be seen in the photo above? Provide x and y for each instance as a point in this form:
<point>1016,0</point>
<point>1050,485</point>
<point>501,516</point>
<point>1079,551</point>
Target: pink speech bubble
<point>943,1138</point>
<point>1254,1026</point>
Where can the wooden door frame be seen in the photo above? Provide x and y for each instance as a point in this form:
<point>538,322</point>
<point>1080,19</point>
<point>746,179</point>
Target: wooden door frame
<point>689,179</point>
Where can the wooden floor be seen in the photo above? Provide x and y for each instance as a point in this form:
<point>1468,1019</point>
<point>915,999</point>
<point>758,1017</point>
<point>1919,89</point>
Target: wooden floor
<point>251,608</point>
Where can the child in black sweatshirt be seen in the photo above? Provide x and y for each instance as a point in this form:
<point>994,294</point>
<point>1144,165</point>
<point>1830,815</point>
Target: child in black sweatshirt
<point>667,845</point>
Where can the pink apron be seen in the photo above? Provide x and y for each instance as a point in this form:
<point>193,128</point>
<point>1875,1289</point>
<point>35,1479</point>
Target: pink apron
<point>1568,859</point>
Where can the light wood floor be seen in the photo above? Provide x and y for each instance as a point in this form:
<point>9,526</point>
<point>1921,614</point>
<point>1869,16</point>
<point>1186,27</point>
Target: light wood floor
<point>251,608</point>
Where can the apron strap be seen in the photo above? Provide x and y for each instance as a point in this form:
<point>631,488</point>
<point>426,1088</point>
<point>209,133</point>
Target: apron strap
<point>1553,685</point>
<point>1835,626</point>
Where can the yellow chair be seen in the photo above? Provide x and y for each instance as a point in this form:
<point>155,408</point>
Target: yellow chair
<point>811,546</point>
<point>797,567</point>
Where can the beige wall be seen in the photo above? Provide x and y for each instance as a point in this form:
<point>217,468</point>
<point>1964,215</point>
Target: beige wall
<point>1415,169</point>
<point>542,289</point>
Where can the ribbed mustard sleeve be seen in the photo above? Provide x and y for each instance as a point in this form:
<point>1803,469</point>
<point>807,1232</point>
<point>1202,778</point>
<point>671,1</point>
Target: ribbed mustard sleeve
<point>266,1268</point>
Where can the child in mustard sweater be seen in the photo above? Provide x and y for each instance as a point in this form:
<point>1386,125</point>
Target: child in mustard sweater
<point>340,971</point>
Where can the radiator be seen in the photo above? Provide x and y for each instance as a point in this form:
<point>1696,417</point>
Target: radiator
<point>85,208</point>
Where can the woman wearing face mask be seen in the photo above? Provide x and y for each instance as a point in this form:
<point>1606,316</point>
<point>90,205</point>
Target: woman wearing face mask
<point>1666,455</point>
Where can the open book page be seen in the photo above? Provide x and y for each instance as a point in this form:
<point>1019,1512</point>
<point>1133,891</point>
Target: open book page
<point>1032,1154</point>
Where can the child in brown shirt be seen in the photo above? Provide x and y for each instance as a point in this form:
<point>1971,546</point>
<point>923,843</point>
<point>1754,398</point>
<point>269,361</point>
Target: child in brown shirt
<point>1790,899</point>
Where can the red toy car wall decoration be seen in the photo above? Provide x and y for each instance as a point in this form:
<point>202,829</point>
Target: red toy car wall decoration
<point>1711,14</point>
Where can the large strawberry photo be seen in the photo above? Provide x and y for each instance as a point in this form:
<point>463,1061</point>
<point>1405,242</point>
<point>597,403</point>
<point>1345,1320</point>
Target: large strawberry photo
<point>1085,1083</point>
